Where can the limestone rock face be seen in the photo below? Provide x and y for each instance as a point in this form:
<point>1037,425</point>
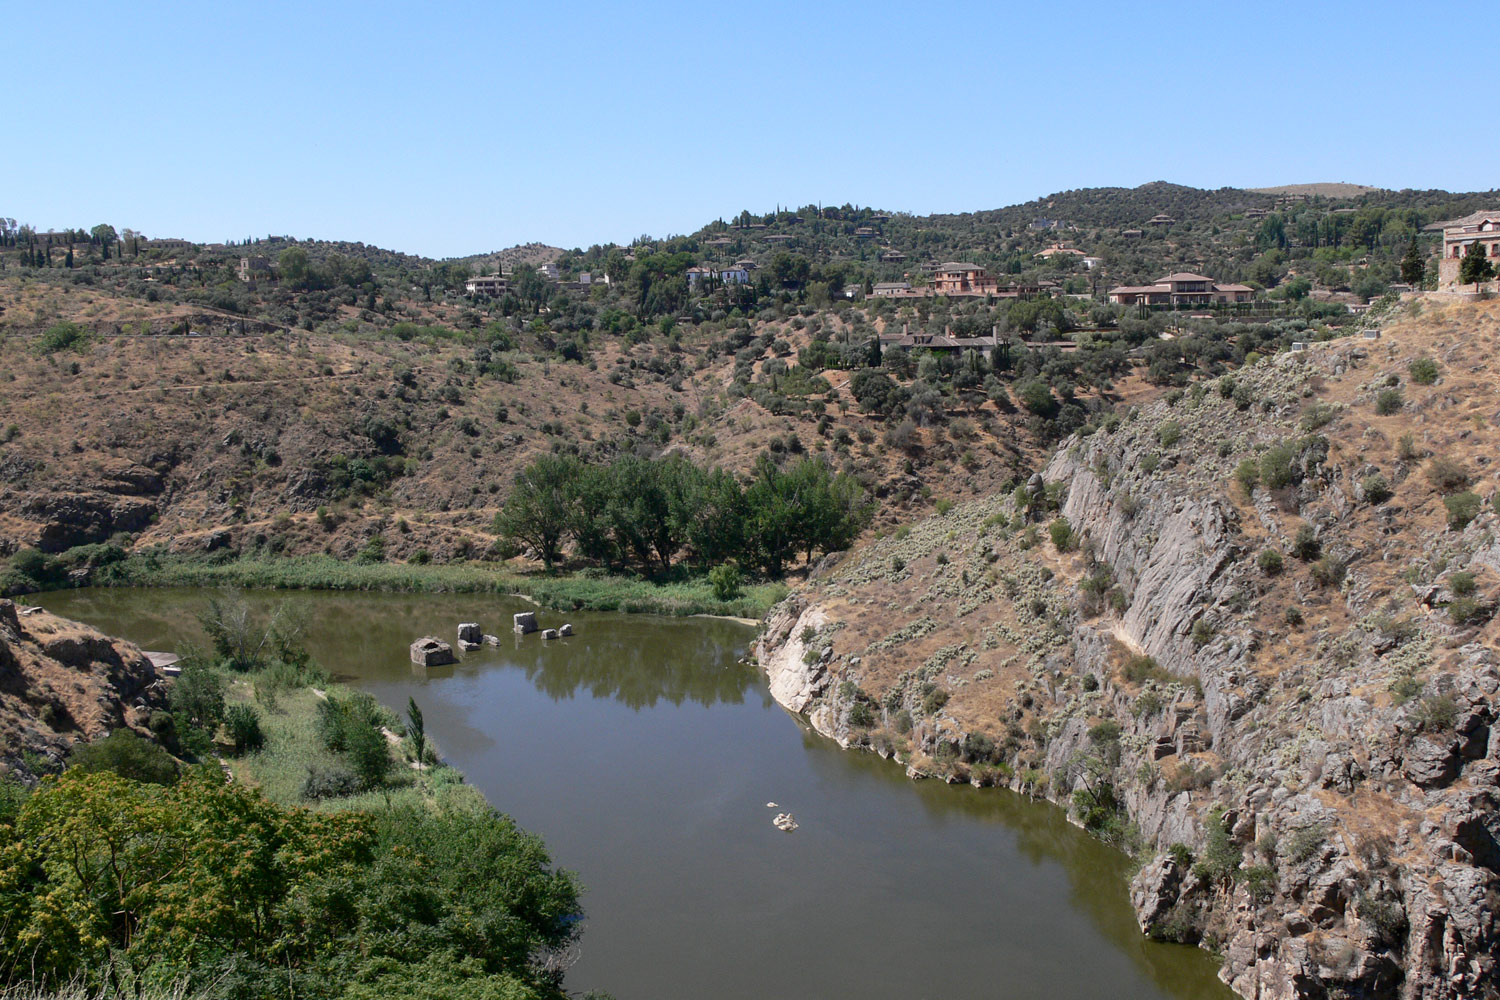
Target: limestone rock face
<point>430,651</point>
<point>1431,764</point>
<point>781,651</point>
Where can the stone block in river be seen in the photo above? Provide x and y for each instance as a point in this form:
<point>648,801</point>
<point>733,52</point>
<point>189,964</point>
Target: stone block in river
<point>470,632</point>
<point>493,640</point>
<point>430,651</point>
<point>525,621</point>
<point>567,629</point>
<point>467,646</point>
<point>549,633</point>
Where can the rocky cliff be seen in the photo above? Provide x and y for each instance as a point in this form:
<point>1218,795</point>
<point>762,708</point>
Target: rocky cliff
<point>62,682</point>
<point>1245,629</point>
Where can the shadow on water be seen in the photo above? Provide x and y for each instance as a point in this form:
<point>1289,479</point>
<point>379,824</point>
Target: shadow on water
<point>646,752</point>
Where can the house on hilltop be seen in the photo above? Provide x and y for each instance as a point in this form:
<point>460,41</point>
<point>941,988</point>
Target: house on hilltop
<point>1181,289</point>
<point>735,275</point>
<point>253,268</point>
<point>493,285</point>
<point>1482,228</point>
<point>961,278</point>
<point>1161,219</point>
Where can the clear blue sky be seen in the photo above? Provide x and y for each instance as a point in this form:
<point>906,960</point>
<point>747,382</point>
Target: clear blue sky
<point>449,129</point>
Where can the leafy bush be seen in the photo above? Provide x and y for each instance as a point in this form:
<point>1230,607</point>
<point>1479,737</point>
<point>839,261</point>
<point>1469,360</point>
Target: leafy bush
<point>1062,535</point>
<point>1448,475</point>
<point>1169,433</point>
<point>1247,474</point>
<point>1389,401</point>
<point>1221,855</point>
<point>726,581</point>
<point>1328,571</point>
<point>1437,713</point>
<point>1269,561</point>
<point>126,754</point>
<point>1305,842</point>
<point>1376,489</point>
<point>1278,466</point>
<point>242,723</point>
<point>1260,882</point>
<point>1203,632</point>
<point>933,701</point>
<point>1139,669</point>
<point>62,337</point>
<point>1462,583</point>
<point>1305,544</point>
<point>1462,508</point>
<point>1424,371</point>
<point>329,783</point>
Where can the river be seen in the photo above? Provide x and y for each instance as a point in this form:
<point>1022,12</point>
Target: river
<point>645,754</point>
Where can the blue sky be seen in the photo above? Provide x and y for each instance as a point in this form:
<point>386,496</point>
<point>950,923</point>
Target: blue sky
<point>449,129</point>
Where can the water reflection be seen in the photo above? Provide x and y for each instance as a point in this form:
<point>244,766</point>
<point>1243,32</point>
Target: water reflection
<point>644,751</point>
<point>637,674</point>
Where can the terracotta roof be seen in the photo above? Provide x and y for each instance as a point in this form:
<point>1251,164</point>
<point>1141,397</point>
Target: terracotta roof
<point>958,266</point>
<point>1233,288</point>
<point>1139,289</point>
<point>1184,276</point>
<point>1468,220</point>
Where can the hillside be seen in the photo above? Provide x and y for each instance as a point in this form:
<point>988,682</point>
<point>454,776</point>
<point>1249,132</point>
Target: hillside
<point>1335,189</point>
<point>1250,629</point>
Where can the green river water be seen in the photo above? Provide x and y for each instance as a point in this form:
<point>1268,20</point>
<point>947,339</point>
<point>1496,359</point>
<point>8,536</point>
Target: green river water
<point>645,754</point>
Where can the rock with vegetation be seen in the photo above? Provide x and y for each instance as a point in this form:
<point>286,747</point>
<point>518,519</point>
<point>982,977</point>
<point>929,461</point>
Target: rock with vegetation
<point>1301,747</point>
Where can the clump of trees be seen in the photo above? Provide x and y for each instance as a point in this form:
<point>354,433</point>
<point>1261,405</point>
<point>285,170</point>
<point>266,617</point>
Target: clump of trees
<point>654,514</point>
<point>194,885</point>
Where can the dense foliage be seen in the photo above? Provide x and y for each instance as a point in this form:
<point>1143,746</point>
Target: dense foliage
<point>650,513</point>
<point>122,884</point>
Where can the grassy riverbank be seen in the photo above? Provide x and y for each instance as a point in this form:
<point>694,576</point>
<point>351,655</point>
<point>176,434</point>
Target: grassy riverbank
<point>293,750</point>
<point>589,590</point>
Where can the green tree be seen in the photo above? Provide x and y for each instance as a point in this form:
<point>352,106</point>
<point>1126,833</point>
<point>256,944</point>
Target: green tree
<point>1413,267</point>
<point>537,511</point>
<point>197,696</point>
<point>1475,266</point>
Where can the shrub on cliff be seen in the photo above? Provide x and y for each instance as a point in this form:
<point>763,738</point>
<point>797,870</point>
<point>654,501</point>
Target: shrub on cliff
<point>1462,508</point>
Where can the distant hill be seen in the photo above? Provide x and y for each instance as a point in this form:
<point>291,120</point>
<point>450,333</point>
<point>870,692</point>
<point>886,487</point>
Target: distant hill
<point>512,257</point>
<point>1332,190</point>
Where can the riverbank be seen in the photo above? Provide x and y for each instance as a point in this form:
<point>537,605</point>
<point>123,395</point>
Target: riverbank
<point>586,590</point>
<point>293,759</point>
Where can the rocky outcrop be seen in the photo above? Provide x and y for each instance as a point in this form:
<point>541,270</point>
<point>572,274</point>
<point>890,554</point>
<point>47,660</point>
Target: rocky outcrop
<point>63,520</point>
<point>62,682</point>
<point>782,652</point>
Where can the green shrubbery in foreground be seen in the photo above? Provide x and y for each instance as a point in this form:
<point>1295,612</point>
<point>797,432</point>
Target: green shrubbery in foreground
<point>328,867</point>
<point>202,884</point>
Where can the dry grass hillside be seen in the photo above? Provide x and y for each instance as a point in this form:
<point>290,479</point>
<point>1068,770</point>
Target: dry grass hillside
<point>237,440</point>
